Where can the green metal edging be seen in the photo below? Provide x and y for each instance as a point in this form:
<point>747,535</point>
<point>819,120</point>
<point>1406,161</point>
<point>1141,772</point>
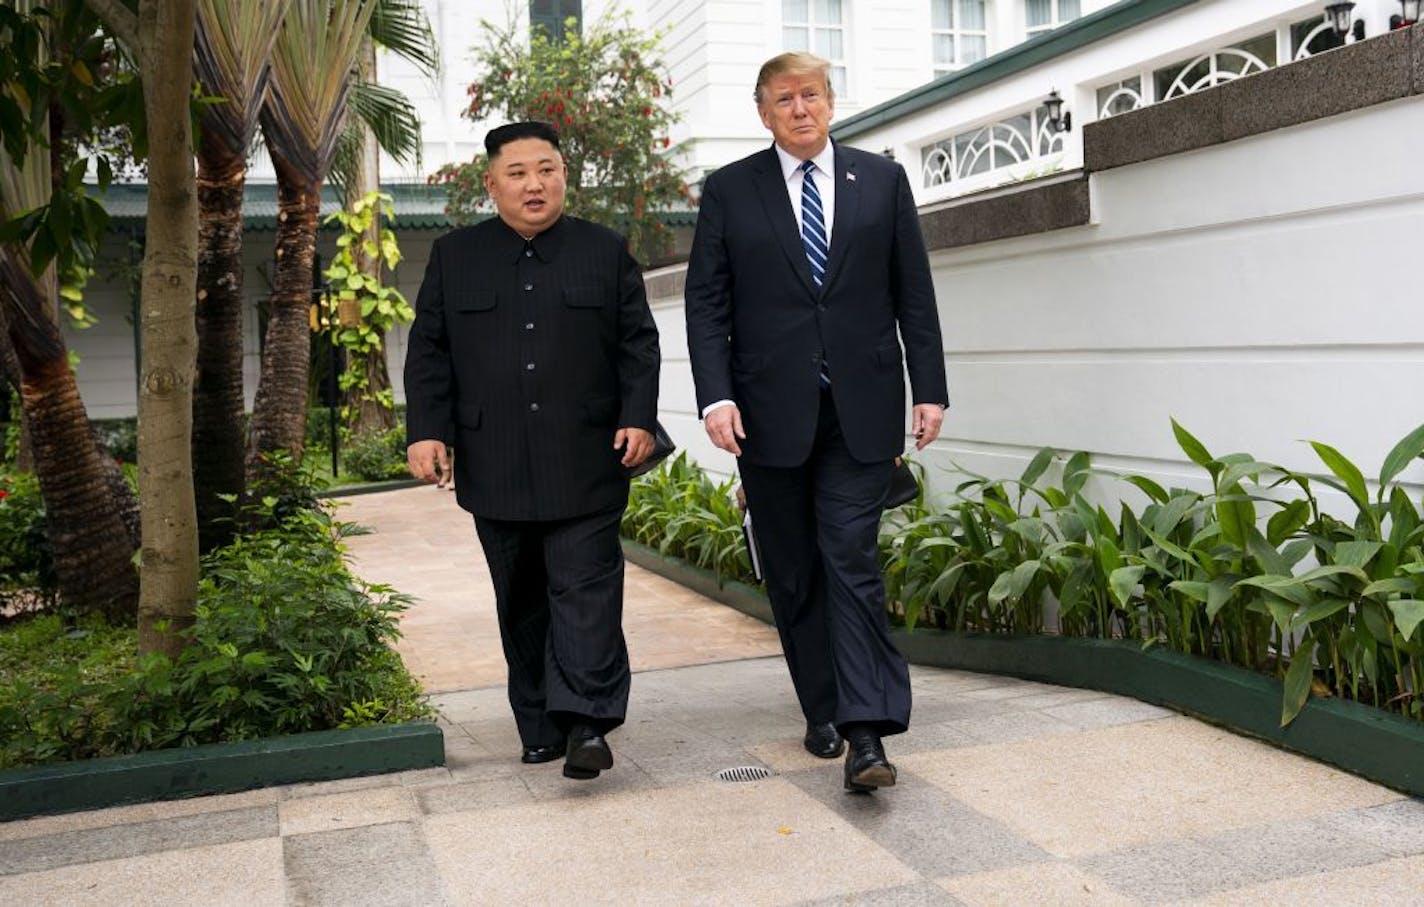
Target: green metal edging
<point>1062,40</point>
<point>346,491</point>
<point>219,768</point>
<point>1360,739</point>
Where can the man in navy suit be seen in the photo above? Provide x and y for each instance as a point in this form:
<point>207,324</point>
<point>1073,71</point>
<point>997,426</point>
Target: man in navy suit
<point>807,259</point>
<point>535,354</point>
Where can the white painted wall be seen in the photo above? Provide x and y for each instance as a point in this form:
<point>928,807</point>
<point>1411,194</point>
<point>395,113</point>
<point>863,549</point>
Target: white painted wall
<point>1249,290</point>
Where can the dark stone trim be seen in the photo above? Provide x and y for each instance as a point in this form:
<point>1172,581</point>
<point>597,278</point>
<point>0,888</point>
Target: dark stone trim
<point>1360,739</point>
<point>1062,40</point>
<point>1348,78</point>
<point>219,768</point>
<point>1037,207</point>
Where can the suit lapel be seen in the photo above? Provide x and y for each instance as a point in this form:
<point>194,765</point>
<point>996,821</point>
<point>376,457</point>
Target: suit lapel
<point>771,186</point>
<point>847,209</point>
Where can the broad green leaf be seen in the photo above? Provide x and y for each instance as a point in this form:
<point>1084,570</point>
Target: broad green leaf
<point>1355,554</point>
<point>1297,683</point>
<point>1281,586</point>
<point>1168,546</point>
<point>1075,472</point>
<point>1193,448</point>
<point>1348,472</point>
<point>1022,578</point>
<point>1294,552</point>
<point>1000,590</point>
<point>1030,529</point>
<point>1037,465</point>
<point>1394,584</point>
<point>1171,513</point>
<point>1264,552</point>
<point>1149,488</point>
<point>1247,468</point>
<point>1326,607</point>
<point>1196,591</point>
<point>1332,570</point>
<point>1123,581</point>
<point>1109,557</point>
<point>1409,447</point>
<point>1408,614</point>
<point>1287,521</point>
<point>1282,612</point>
<point>1237,515</point>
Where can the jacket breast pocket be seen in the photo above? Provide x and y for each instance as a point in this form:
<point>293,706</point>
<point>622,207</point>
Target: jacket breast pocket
<point>475,301</point>
<point>469,415</point>
<point>583,297</point>
<point>888,356</point>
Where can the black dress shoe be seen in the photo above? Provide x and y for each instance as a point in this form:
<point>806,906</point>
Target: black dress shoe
<point>542,752</point>
<point>824,740</point>
<point>866,767</point>
<point>587,755</point>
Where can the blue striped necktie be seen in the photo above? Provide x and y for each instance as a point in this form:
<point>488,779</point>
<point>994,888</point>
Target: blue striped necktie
<point>813,238</point>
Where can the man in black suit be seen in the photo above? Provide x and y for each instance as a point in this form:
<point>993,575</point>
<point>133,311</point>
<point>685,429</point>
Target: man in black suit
<point>534,354</point>
<point>807,257</point>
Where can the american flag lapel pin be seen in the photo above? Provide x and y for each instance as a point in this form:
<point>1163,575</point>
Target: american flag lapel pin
<point>850,176</point>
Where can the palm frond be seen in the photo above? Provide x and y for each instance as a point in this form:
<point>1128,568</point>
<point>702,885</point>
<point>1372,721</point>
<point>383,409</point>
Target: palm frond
<point>402,27</point>
<point>391,117</point>
<point>313,65</point>
<point>234,42</point>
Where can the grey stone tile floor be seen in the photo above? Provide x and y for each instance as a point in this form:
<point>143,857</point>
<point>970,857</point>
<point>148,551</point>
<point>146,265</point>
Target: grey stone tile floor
<point>1009,793</point>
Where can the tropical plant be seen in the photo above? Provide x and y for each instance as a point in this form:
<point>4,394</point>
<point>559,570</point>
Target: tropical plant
<point>231,56</point>
<point>361,310</point>
<point>605,91</point>
<point>677,509</point>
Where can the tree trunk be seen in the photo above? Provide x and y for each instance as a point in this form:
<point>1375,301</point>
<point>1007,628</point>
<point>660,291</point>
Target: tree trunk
<point>217,388</point>
<point>168,575</point>
<point>369,415</point>
<point>93,546</point>
<point>280,407</point>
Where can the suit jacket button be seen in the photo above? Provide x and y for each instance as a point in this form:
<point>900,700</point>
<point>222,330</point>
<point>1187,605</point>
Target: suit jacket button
<point>820,308</point>
<point>533,407</point>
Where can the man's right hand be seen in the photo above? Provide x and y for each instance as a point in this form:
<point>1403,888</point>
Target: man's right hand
<point>724,427</point>
<point>427,460</point>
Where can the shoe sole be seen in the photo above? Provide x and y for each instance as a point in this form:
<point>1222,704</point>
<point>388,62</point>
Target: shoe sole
<point>872,778</point>
<point>580,774</point>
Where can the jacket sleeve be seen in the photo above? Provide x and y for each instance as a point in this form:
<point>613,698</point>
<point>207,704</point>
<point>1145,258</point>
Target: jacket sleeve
<point>916,311</point>
<point>639,358</point>
<point>708,302</point>
<point>429,380</point>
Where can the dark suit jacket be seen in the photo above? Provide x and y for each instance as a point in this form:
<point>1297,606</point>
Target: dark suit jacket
<point>528,357</point>
<point>758,327</point>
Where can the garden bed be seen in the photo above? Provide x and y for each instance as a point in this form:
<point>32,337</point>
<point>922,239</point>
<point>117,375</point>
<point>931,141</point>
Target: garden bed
<point>219,768</point>
<point>1360,739</point>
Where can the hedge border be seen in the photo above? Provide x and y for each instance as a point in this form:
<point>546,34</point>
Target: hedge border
<point>1360,739</point>
<point>219,768</point>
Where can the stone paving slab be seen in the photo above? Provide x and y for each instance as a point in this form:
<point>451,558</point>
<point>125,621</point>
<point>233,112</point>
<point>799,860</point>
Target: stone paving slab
<point>1011,792</point>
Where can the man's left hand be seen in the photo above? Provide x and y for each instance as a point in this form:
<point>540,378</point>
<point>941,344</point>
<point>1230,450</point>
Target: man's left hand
<point>639,443</point>
<point>925,423</point>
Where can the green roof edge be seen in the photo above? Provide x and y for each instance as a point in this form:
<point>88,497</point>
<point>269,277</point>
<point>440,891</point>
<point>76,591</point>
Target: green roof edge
<point>1062,40</point>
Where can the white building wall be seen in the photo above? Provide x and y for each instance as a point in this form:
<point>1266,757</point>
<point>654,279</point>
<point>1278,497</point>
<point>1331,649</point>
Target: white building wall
<point>1246,290</point>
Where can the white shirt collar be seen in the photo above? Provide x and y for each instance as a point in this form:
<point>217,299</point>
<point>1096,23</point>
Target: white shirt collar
<point>825,161</point>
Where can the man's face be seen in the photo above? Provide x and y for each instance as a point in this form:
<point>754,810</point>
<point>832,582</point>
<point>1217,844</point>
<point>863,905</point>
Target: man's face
<point>797,108</point>
<point>526,180</point>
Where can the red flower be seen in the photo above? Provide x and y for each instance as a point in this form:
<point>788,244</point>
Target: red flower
<point>4,494</point>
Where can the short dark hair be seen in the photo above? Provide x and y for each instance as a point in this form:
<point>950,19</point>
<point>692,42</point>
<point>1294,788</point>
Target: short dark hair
<point>500,136</point>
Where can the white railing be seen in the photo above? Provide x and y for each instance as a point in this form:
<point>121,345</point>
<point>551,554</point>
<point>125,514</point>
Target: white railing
<point>1016,147</point>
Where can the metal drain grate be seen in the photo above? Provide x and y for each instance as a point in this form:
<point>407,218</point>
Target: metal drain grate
<point>743,773</point>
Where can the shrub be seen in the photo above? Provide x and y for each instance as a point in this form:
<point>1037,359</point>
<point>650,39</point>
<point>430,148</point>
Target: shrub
<point>27,577</point>
<point>376,456</point>
<point>119,437</point>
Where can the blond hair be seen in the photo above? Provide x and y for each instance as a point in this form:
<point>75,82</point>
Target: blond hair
<point>796,63</point>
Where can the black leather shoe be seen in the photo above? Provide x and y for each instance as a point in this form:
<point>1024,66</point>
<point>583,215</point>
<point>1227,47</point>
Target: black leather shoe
<point>544,752</point>
<point>824,740</point>
<point>587,755</point>
<point>866,767</point>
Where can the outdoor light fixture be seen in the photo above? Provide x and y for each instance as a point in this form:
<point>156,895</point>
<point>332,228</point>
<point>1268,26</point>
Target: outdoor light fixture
<point>888,152</point>
<point>1409,14</point>
<point>1057,118</point>
<point>1338,15</point>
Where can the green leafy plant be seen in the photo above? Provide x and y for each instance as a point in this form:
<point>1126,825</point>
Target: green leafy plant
<point>376,456</point>
<point>27,577</point>
<point>677,509</point>
<point>361,306</point>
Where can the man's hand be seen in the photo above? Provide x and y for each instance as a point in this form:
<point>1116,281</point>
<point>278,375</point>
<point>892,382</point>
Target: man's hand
<point>925,422</point>
<point>427,461</point>
<point>640,445</point>
<point>724,427</point>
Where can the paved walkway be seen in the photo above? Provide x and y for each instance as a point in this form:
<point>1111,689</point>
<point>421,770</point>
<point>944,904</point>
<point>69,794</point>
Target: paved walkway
<point>1010,792</point>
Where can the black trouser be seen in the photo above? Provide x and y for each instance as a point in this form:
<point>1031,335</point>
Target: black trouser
<point>558,589</point>
<point>817,526</point>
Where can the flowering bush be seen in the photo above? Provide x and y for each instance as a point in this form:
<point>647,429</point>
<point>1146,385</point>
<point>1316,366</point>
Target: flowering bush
<point>604,91</point>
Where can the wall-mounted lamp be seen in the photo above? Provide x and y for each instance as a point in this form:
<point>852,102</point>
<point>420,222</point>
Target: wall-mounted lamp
<point>1408,14</point>
<point>1058,119</point>
<point>1338,16</point>
<point>888,152</point>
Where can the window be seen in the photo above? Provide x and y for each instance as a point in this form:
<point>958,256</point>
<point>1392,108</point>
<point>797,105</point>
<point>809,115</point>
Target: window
<point>959,32</point>
<point>553,15</point>
<point>817,26</point>
<point>1046,15</point>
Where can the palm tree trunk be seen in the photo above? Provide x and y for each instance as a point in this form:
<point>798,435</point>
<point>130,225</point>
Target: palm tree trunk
<point>279,409</point>
<point>217,389</point>
<point>93,545</point>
